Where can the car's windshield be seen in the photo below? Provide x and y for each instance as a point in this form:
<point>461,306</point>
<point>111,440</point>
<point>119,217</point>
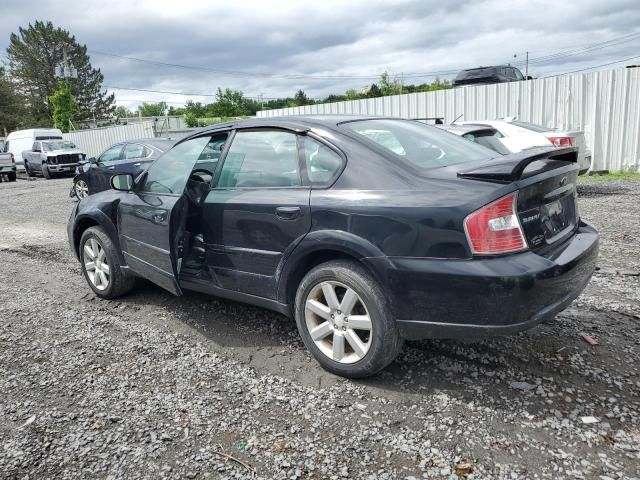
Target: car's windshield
<point>421,145</point>
<point>51,145</point>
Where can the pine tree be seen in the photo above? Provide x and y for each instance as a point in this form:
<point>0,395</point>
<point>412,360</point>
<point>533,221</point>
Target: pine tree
<point>33,55</point>
<point>12,113</point>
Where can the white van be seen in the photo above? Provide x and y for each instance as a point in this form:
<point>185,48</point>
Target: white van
<point>21,140</point>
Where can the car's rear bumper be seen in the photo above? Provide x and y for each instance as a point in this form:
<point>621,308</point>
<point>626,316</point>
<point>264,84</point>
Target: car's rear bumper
<point>433,298</point>
<point>8,169</point>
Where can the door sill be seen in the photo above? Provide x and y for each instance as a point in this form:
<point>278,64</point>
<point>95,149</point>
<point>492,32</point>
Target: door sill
<point>202,285</point>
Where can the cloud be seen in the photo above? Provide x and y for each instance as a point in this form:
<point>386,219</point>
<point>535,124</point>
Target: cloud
<point>325,39</point>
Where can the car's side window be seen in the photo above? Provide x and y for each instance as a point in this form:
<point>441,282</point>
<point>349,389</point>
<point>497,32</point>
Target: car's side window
<point>35,147</point>
<point>322,162</point>
<point>169,174</point>
<point>110,154</point>
<point>133,150</point>
<point>266,158</point>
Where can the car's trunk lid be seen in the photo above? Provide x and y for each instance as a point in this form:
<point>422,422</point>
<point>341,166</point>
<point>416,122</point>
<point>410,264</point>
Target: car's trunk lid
<point>547,180</point>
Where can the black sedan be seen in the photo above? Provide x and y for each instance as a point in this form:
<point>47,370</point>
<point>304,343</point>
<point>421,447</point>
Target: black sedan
<point>132,156</point>
<point>367,231</point>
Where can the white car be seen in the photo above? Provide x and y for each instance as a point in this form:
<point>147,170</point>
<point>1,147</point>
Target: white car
<point>516,136</point>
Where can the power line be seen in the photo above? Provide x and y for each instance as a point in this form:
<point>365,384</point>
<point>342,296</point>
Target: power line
<point>255,97</point>
<point>585,49</point>
<point>298,76</point>
<point>595,66</point>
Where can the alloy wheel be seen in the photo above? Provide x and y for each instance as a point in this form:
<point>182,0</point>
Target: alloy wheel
<point>95,264</point>
<point>338,322</point>
<point>81,188</point>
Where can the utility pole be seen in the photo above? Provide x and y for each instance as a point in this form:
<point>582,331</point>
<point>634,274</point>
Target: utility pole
<point>64,69</point>
<point>526,72</point>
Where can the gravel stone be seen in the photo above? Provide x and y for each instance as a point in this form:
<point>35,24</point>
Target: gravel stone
<point>157,386</point>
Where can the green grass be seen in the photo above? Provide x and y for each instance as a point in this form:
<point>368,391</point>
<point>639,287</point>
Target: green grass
<point>611,176</point>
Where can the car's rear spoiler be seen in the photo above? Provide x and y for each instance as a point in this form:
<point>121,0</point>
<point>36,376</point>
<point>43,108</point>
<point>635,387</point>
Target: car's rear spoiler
<point>510,168</point>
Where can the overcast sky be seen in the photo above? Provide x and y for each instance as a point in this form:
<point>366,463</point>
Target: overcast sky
<point>277,47</point>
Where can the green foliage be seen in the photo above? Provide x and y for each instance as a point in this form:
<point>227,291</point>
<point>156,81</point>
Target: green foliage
<point>352,94</point>
<point>388,86</point>
<point>191,119</point>
<point>196,109</point>
<point>374,91</point>
<point>152,109</point>
<point>63,107</point>
<point>34,52</point>
<point>231,103</point>
<point>12,111</point>
<point>300,99</point>
<point>605,177</point>
<point>123,112</point>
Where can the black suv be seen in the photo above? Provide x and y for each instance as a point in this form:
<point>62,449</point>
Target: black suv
<point>482,75</point>
<point>367,230</point>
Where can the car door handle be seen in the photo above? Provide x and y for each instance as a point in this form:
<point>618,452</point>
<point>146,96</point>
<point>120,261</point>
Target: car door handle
<point>111,168</point>
<point>288,213</point>
<point>137,164</point>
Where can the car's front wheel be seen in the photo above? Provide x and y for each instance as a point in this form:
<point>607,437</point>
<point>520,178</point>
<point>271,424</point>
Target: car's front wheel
<point>81,188</point>
<point>100,265</point>
<point>45,172</point>
<point>344,320</point>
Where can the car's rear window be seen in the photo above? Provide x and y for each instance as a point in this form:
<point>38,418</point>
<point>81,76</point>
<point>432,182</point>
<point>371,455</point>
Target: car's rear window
<point>423,146</point>
<point>476,73</point>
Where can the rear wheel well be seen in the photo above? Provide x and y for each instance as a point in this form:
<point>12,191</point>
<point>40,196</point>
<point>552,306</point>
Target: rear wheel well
<point>309,262</point>
<point>80,228</point>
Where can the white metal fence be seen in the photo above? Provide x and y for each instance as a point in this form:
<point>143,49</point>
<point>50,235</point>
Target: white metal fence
<point>94,141</point>
<point>605,105</point>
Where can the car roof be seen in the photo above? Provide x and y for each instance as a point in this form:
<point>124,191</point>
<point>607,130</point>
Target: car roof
<point>298,123</point>
<point>158,143</point>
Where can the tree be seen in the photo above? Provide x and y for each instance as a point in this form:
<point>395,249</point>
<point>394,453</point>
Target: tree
<point>191,119</point>
<point>123,112</point>
<point>231,103</point>
<point>12,112</point>
<point>300,98</point>
<point>352,94</point>
<point>374,91</point>
<point>152,109</point>
<point>33,55</point>
<point>196,109</point>
<point>63,107</point>
<point>388,86</point>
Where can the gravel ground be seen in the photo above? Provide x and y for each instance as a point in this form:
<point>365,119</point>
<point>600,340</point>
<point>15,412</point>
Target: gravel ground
<point>155,386</point>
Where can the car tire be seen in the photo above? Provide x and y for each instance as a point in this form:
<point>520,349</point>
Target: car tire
<point>81,189</point>
<point>11,177</point>
<point>30,173</point>
<point>374,348</point>
<point>95,245</point>
<point>45,172</point>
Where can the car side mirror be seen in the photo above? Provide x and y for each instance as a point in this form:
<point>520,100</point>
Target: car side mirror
<point>122,182</point>
<point>92,160</point>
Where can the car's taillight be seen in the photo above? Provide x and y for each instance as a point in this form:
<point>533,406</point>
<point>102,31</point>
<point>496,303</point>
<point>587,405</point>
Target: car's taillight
<point>495,228</point>
<point>13,159</point>
<point>563,141</point>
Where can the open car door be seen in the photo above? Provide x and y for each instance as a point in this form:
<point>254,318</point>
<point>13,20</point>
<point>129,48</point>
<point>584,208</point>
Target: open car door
<point>152,217</point>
